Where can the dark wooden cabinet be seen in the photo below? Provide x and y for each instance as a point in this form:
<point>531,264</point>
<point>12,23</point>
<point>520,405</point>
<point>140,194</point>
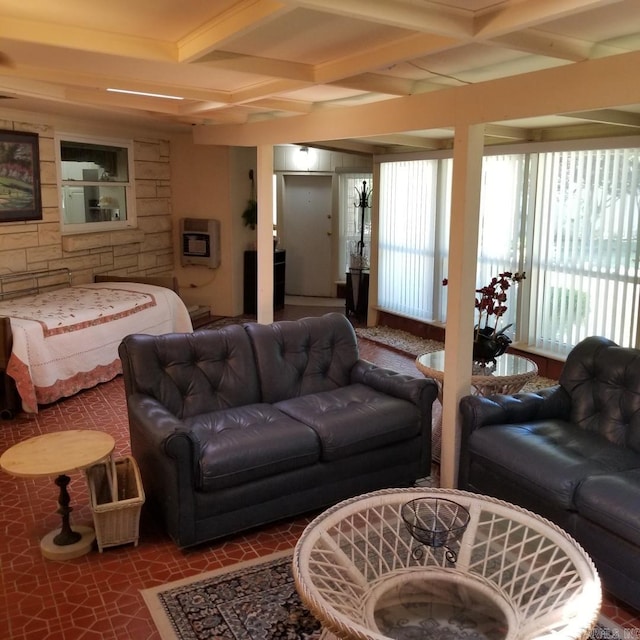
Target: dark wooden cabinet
<point>357,294</point>
<point>251,280</point>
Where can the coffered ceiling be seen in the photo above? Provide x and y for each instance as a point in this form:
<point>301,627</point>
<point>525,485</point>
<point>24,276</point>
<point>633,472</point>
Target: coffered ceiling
<point>240,61</point>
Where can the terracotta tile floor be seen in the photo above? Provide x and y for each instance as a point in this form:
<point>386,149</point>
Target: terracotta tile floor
<point>98,596</point>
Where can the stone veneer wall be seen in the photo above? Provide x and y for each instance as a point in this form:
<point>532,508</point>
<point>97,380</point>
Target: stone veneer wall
<point>144,251</point>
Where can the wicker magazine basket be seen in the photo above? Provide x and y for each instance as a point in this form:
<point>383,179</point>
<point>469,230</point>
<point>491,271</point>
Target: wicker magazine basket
<point>117,496</point>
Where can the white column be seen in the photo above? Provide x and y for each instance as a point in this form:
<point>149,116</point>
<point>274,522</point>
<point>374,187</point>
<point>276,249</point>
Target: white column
<point>463,248</point>
<point>265,233</point>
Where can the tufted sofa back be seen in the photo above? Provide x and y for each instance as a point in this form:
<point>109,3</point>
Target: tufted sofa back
<point>297,357</point>
<point>603,381</point>
<point>192,373</point>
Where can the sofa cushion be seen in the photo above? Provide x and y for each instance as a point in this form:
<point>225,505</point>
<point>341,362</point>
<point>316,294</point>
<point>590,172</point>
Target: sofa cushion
<point>612,501</point>
<point>549,457</point>
<point>192,373</point>
<point>296,357</point>
<point>354,419</point>
<point>603,381</point>
<point>248,443</point>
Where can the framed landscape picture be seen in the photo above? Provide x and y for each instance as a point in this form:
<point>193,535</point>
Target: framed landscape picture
<point>19,177</point>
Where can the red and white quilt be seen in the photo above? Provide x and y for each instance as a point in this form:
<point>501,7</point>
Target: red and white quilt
<point>67,340</point>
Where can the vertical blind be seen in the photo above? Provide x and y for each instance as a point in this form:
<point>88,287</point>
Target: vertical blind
<point>413,242</point>
<point>569,219</point>
<point>502,202</point>
<point>586,248</point>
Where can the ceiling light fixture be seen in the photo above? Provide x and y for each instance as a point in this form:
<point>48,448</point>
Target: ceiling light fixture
<point>145,94</point>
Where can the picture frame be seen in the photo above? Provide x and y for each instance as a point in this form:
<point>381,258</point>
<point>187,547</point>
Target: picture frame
<point>20,197</point>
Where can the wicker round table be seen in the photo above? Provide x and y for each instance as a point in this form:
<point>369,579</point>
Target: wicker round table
<point>511,574</point>
<point>508,375</point>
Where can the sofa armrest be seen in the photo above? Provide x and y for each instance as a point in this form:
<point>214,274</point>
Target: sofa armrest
<point>167,453</point>
<point>153,419</point>
<point>420,391</point>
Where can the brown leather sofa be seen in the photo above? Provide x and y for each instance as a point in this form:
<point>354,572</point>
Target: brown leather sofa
<point>570,453</point>
<point>244,425</point>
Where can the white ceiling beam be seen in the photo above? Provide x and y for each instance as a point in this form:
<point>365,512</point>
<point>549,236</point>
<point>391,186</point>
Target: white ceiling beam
<point>223,116</point>
<point>407,140</point>
<point>431,17</point>
<point>377,83</point>
<point>76,38</point>
<point>507,18</point>
<point>506,133</point>
<point>542,43</point>
<point>265,90</point>
<point>81,80</point>
<point>195,108</point>
<point>21,86</point>
<point>378,56</point>
<point>57,94</point>
<point>608,116</point>
<point>280,104</point>
<point>348,146</point>
<point>560,89</point>
<point>577,132</point>
<point>257,65</point>
<point>240,19</point>
<point>124,101</point>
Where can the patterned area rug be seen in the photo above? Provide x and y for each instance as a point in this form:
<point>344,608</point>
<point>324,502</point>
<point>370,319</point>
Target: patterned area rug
<point>256,600</point>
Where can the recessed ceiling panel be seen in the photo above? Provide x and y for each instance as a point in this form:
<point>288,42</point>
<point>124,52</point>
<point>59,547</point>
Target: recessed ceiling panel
<point>312,37</point>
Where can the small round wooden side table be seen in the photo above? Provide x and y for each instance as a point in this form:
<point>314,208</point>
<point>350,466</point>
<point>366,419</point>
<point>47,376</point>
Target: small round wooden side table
<point>58,454</point>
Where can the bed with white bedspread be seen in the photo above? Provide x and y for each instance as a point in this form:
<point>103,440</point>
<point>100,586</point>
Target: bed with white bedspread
<point>66,340</point>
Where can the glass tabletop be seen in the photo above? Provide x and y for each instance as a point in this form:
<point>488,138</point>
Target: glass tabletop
<point>507,364</point>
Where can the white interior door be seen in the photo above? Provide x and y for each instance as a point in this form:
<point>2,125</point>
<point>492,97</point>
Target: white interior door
<point>306,218</point>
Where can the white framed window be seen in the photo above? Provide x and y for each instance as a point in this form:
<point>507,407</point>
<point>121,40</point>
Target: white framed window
<point>96,184</point>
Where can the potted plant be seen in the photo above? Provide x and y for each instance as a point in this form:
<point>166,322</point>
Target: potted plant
<point>489,342</point>
<point>250,214</point>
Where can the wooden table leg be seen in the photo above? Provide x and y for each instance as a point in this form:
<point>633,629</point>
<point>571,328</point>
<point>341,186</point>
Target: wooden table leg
<point>66,535</point>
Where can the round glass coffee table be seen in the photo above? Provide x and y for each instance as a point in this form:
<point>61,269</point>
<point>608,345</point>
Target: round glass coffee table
<point>510,574</point>
<point>508,375</point>
<point>57,454</point>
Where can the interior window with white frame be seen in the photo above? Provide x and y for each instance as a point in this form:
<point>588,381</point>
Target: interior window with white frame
<point>96,184</point>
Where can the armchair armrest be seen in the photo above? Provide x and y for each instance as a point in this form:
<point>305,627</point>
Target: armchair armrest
<point>480,411</point>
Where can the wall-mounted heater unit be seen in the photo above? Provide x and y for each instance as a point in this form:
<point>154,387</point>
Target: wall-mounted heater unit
<point>200,242</point>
